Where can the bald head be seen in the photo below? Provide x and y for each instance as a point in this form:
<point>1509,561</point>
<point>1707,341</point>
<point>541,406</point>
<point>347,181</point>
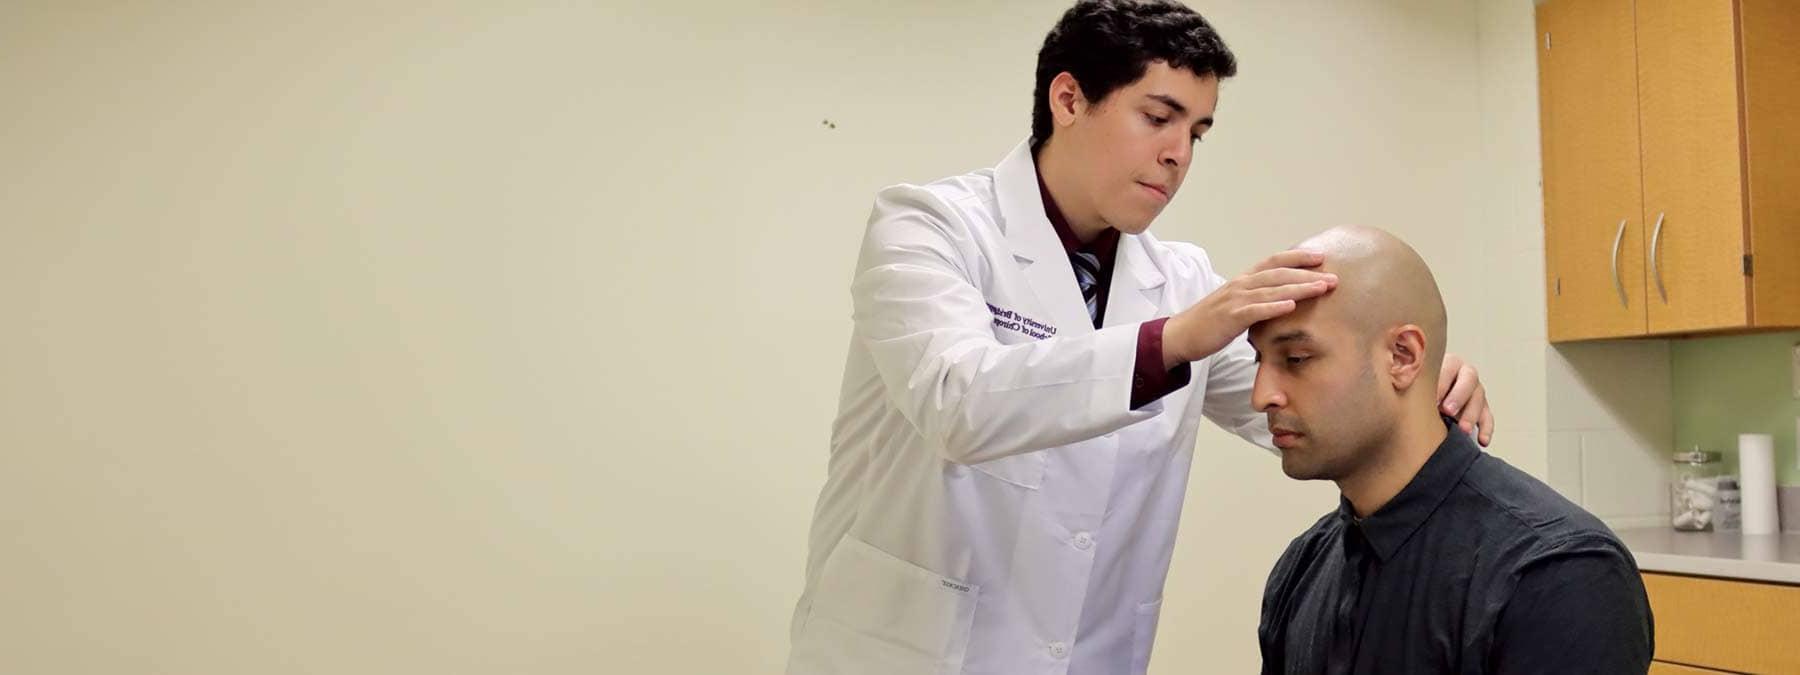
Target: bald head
<point>1348,379</point>
<point>1382,284</point>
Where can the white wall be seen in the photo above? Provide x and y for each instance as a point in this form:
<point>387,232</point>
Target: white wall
<point>478,337</point>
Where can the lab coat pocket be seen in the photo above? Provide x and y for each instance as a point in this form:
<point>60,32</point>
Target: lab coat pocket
<point>1025,470</point>
<point>876,614</point>
<point>1143,635</point>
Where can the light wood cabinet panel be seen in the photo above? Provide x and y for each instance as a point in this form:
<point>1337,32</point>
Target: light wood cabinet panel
<point>1693,185</point>
<point>1665,668</point>
<point>1729,625</point>
<point>1771,55</point>
<point>1593,200</point>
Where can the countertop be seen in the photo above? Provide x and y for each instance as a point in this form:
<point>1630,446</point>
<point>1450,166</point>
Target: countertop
<point>1732,555</point>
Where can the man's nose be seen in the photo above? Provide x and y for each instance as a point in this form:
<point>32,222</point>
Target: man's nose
<point>1266,396</point>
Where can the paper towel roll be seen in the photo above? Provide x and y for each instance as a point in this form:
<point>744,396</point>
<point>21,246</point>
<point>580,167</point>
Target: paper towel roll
<point>1756,478</point>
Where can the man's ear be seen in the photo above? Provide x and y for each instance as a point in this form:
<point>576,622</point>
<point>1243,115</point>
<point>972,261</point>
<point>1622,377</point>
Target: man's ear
<point>1066,100</point>
<point>1406,356</point>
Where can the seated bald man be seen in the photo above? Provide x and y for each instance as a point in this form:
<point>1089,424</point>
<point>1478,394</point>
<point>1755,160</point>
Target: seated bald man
<point>1440,558</point>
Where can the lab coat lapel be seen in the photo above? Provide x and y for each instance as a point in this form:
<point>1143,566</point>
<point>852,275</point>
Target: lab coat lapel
<point>1035,245</point>
<point>1136,290</point>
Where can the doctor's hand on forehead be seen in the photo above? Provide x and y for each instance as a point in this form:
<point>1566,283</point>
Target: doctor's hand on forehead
<point>1273,288</point>
<point>1270,289</point>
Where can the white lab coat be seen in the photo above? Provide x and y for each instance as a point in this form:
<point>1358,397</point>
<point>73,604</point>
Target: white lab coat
<point>993,504</point>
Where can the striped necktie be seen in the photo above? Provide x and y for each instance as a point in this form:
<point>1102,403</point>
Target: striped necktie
<point>1087,274</point>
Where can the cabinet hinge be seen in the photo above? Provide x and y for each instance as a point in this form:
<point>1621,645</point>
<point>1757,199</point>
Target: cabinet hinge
<point>1747,266</point>
<point>1546,39</point>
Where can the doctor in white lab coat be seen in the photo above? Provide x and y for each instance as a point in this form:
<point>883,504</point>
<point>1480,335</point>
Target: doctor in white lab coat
<point>1018,412</point>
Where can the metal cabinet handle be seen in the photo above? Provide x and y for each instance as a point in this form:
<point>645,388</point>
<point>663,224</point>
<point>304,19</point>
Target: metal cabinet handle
<point>1617,283</point>
<point>1655,268</point>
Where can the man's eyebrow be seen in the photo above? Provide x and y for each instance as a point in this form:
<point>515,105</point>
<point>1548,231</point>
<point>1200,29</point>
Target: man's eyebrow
<point>1170,101</point>
<point>1179,109</point>
<point>1284,338</point>
<point>1296,335</point>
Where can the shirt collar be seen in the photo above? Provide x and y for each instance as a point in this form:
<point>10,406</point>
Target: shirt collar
<point>1389,527</point>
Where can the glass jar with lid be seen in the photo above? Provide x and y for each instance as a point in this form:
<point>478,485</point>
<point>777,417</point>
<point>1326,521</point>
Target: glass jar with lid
<point>1694,490</point>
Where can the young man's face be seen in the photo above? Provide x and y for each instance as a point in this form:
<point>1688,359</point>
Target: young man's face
<point>1137,143</point>
<point>1316,380</point>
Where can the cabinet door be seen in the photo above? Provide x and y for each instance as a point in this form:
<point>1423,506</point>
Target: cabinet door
<point>1772,134</point>
<point>1693,164</point>
<point>1735,626</point>
<point>1593,199</point>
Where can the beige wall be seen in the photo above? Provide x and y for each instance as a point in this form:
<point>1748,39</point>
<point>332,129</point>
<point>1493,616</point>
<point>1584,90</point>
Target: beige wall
<point>491,337</point>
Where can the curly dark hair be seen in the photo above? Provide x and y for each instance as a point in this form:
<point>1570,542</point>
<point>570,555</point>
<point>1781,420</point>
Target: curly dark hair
<point>1107,44</point>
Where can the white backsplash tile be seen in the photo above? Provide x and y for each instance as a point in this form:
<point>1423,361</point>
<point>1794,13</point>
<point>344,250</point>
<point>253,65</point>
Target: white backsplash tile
<point>1615,385</point>
<point>1623,476</point>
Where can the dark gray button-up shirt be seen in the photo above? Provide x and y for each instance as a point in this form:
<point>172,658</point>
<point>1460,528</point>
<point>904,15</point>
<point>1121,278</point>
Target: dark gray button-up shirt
<point>1474,567</point>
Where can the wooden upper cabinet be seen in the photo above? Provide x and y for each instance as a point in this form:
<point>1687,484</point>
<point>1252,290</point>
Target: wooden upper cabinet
<point>1593,200</point>
<point>1679,119</point>
<point>1771,82</point>
<point>1693,187</point>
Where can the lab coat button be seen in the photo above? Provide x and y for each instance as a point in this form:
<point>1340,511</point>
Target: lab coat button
<point>1084,541</point>
<point>1058,650</point>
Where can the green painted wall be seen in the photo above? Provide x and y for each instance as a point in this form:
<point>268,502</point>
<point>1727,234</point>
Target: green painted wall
<point>1725,386</point>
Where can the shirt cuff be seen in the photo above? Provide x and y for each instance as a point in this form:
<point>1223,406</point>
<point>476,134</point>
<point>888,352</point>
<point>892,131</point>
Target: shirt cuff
<point>1151,380</point>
